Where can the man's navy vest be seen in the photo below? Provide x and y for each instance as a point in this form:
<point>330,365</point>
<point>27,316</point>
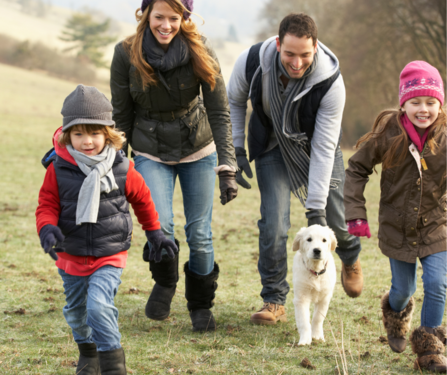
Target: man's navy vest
<point>112,232</point>
<point>260,125</point>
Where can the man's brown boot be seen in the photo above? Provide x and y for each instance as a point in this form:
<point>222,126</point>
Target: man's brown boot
<point>269,314</point>
<point>352,279</point>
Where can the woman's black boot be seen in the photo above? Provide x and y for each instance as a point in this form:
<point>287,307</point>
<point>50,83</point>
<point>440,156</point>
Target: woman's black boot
<point>112,362</point>
<point>200,293</point>
<point>88,363</point>
<point>165,274</point>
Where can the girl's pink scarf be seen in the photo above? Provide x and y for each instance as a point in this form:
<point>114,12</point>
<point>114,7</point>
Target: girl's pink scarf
<point>418,140</point>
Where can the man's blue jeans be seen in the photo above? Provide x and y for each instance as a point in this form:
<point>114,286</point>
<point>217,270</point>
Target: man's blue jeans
<point>403,286</point>
<point>90,310</point>
<point>197,181</point>
<point>274,186</point>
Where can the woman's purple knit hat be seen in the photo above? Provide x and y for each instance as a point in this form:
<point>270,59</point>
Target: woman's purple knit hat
<point>188,4</point>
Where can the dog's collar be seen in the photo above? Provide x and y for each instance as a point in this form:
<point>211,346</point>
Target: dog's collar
<point>317,273</point>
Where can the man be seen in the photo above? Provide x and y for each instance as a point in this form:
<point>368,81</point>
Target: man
<point>298,96</point>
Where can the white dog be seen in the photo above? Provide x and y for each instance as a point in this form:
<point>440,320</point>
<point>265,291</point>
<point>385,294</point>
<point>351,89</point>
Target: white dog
<point>314,277</point>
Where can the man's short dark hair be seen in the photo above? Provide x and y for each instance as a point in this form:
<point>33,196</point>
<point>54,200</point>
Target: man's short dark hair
<point>299,25</point>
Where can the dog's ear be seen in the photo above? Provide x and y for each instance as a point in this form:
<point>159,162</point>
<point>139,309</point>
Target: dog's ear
<point>298,238</point>
<point>333,240</point>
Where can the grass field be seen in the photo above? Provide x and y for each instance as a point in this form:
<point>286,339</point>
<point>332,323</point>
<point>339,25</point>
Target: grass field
<point>35,339</point>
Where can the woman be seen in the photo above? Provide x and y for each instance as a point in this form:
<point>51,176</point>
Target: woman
<point>156,77</point>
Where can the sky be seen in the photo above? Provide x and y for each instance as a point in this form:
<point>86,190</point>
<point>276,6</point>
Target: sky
<point>219,15</point>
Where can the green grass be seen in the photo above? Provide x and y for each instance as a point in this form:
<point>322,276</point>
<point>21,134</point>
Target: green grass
<point>35,339</point>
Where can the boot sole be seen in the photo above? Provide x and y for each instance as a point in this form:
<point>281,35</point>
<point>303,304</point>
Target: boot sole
<point>282,318</point>
<point>159,318</point>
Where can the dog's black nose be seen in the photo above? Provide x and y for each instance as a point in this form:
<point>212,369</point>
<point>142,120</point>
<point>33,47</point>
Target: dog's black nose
<point>317,252</point>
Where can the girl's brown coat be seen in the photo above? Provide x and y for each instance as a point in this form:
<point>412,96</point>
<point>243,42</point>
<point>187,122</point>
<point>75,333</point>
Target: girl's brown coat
<point>412,213</point>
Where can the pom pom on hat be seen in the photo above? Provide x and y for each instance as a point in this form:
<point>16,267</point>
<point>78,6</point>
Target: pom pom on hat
<point>419,78</point>
<point>188,4</point>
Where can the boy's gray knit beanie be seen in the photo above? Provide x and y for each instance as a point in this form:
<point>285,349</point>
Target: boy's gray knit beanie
<point>86,105</point>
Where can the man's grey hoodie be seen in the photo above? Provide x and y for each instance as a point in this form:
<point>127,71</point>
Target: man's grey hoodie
<point>328,121</point>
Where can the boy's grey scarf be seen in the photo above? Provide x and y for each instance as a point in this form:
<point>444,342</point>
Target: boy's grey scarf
<point>100,179</point>
<point>294,145</point>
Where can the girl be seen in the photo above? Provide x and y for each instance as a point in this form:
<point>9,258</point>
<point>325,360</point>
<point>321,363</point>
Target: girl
<point>411,145</point>
<point>156,77</point>
<point>84,211</point>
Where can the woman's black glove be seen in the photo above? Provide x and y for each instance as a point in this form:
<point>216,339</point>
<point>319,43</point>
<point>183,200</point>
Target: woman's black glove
<point>228,186</point>
<point>159,242</point>
<point>244,166</point>
<point>50,235</point>
<point>316,217</point>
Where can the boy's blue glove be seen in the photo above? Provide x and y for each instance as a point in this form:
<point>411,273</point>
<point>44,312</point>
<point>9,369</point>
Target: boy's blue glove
<point>159,242</point>
<point>50,235</point>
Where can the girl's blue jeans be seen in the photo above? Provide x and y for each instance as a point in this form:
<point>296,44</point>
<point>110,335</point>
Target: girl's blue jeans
<point>197,181</point>
<point>90,311</point>
<point>403,286</point>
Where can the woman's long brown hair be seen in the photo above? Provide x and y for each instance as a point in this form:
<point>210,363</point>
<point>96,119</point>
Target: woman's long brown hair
<point>205,67</point>
<point>397,151</point>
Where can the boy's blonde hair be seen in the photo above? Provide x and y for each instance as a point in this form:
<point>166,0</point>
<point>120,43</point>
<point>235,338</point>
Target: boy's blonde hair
<point>114,138</point>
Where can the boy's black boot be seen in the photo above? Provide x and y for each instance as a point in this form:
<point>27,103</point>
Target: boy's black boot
<point>88,363</point>
<point>165,274</point>
<point>112,362</point>
<point>200,293</point>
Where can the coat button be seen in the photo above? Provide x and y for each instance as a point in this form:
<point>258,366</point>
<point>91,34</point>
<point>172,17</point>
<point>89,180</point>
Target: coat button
<point>182,85</point>
<point>418,182</point>
<point>425,220</point>
<point>190,124</point>
<point>419,189</point>
<point>131,85</point>
<point>416,209</point>
<point>414,243</point>
<point>445,209</point>
<point>151,129</point>
<point>412,228</point>
<point>412,150</point>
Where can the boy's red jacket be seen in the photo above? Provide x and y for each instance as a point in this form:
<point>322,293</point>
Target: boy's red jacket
<point>48,211</point>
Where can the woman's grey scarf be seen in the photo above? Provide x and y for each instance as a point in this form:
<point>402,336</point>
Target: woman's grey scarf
<point>100,179</point>
<point>161,61</point>
<point>294,145</point>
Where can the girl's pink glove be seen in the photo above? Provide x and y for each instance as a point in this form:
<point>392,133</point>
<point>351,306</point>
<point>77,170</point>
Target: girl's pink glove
<point>359,228</point>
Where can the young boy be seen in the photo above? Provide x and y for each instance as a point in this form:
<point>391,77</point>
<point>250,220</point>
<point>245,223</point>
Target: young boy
<point>84,211</point>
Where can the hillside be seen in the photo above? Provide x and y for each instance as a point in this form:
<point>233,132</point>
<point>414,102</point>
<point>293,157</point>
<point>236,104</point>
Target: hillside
<point>46,30</point>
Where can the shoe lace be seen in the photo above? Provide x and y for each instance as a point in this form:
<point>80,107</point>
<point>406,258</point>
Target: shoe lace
<point>272,307</point>
<point>351,269</point>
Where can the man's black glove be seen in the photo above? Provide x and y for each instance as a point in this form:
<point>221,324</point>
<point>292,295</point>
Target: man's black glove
<point>227,186</point>
<point>50,235</point>
<point>316,217</point>
<point>159,242</point>
<point>244,166</point>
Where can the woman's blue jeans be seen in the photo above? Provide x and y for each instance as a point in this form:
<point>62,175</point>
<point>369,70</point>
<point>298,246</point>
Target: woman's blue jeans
<point>403,286</point>
<point>90,310</point>
<point>197,181</point>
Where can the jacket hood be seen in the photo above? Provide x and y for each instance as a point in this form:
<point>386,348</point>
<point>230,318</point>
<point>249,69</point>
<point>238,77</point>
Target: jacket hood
<point>326,67</point>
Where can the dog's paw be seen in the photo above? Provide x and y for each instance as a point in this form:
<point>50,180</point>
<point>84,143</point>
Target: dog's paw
<point>319,337</point>
<point>317,334</point>
<point>305,340</point>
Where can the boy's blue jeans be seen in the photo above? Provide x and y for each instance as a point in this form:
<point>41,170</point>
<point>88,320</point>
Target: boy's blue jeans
<point>274,185</point>
<point>403,286</point>
<point>90,311</point>
<point>197,181</point>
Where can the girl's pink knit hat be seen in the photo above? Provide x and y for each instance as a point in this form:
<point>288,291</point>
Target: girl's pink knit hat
<point>419,78</point>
